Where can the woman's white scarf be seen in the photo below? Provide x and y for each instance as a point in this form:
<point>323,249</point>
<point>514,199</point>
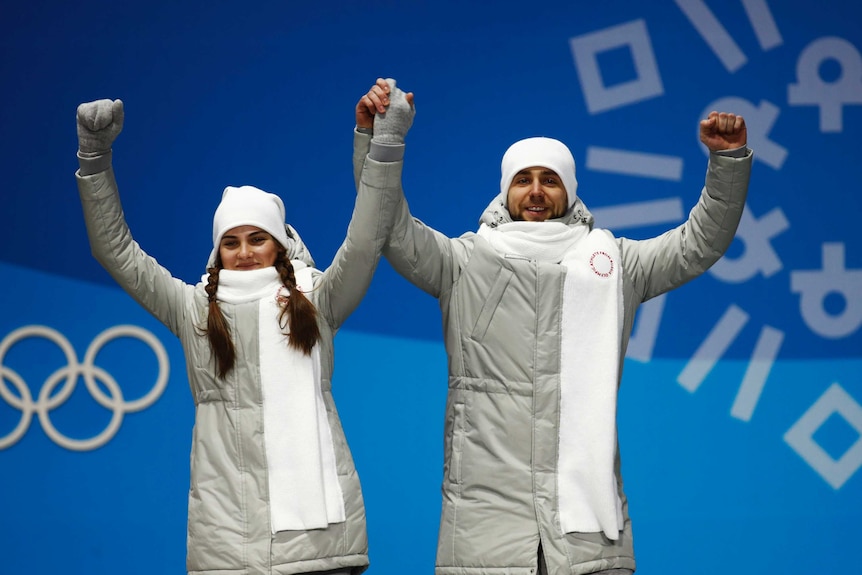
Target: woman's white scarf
<point>591,330</point>
<point>304,491</point>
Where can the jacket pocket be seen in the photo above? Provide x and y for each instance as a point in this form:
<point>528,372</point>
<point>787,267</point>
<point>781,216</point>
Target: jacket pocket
<point>490,306</point>
<point>458,431</point>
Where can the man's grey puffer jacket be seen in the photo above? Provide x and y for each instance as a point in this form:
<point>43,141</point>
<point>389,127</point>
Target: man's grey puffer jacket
<point>228,523</point>
<point>501,326</point>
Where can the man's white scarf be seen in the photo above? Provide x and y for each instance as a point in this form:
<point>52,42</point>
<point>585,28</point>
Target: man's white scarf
<point>591,320</point>
<point>304,491</point>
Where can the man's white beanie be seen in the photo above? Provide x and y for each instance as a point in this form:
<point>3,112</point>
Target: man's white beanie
<point>543,153</point>
<point>248,206</point>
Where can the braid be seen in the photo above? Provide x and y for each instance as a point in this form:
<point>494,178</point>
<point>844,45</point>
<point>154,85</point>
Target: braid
<point>301,313</point>
<point>218,331</point>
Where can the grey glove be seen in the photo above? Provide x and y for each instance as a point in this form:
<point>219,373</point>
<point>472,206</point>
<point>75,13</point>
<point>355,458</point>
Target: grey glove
<point>99,123</point>
<point>391,126</point>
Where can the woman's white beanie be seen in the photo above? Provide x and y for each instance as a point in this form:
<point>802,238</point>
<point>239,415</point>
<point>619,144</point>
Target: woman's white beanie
<point>543,153</point>
<point>248,206</point>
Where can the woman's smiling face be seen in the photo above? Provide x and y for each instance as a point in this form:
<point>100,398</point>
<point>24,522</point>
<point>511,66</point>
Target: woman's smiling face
<point>246,248</point>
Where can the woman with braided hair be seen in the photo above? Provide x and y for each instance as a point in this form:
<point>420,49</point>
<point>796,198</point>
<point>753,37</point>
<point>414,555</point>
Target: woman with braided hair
<point>273,486</point>
<point>239,246</point>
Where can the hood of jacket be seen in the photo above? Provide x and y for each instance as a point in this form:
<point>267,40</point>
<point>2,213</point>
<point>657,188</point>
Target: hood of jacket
<point>296,249</point>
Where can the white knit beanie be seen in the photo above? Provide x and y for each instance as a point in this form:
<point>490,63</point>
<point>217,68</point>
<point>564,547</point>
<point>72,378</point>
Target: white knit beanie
<point>248,206</point>
<point>543,153</point>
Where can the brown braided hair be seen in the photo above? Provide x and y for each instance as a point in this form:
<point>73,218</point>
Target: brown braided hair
<point>299,312</point>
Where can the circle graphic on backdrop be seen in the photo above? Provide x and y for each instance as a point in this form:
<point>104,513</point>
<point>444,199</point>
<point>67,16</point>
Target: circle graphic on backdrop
<point>60,385</point>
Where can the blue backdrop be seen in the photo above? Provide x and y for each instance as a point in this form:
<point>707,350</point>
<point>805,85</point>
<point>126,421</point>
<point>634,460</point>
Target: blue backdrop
<point>741,408</point>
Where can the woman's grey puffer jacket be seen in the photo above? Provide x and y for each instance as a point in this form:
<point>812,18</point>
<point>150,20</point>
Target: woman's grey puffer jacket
<point>502,336</point>
<point>228,523</point>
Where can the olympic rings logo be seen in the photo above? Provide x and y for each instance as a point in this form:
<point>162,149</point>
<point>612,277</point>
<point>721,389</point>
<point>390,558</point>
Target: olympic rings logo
<point>67,378</point>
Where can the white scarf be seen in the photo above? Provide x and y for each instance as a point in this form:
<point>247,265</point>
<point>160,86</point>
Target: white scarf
<point>592,319</point>
<point>304,491</point>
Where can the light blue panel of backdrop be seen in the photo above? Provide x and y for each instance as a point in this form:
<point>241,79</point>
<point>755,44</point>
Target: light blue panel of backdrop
<point>740,416</point>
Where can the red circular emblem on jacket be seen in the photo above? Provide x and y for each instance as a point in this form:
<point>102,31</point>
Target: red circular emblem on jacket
<point>602,264</point>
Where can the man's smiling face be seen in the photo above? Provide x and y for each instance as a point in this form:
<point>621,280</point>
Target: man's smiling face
<point>537,194</point>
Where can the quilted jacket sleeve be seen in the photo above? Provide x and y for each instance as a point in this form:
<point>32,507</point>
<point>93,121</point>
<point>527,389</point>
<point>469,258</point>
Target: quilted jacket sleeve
<point>421,254</point>
<point>112,245</point>
<point>660,264</point>
<point>344,283</point>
